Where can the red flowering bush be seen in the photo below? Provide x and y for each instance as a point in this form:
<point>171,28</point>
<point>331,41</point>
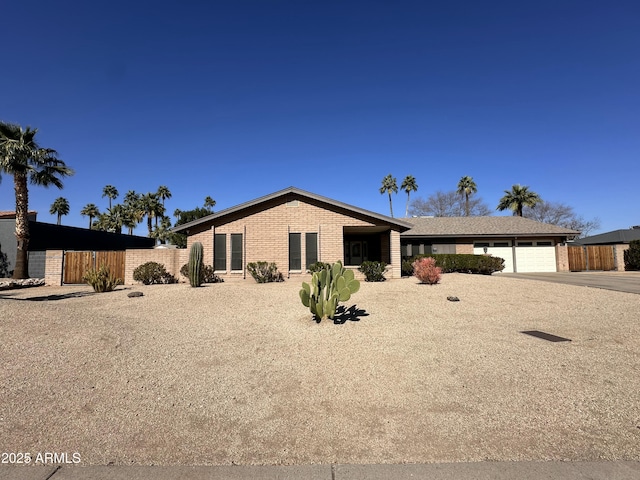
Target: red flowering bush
<point>425,270</point>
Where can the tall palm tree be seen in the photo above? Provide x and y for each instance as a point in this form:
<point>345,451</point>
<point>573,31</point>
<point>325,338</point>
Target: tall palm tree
<point>163,193</point>
<point>158,211</point>
<point>466,188</point>
<point>409,185</point>
<point>129,219</point>
<point>90,210</point>
<point>209,203</point>
<point>134,209</point>
<point>161,233</point>
<point>111,192</point>
<point>26,161</point>
<point>59,207</point>
<point>112,220</point>
<point>517,198</point>
<point>389,186</point>
<point>150,205</point>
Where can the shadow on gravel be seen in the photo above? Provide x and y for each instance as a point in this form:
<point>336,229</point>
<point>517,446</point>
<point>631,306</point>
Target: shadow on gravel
<point>46,298</point>
<point>351,314</point>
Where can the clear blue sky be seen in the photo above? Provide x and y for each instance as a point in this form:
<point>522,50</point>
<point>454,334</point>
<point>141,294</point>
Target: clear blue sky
<point>238,99</point>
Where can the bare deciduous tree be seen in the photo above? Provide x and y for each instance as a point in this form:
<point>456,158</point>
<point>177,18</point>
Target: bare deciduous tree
<point>562,215</point>
<point>448,204</point>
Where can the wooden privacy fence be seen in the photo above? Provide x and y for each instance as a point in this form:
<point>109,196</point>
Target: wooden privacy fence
<point>591,257</point>
<point>75,264</point>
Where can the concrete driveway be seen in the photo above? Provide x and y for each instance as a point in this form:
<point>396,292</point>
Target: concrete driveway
<point>628,282</point>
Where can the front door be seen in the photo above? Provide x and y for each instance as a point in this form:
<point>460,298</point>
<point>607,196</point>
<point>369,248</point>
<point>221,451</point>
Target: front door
<point>356,253</point>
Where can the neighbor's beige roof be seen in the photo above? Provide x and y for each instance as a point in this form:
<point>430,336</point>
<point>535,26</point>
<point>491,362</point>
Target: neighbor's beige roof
<point>481,226</point>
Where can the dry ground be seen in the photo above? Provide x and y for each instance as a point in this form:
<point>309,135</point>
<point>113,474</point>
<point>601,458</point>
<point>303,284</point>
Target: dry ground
<point>237,373</point>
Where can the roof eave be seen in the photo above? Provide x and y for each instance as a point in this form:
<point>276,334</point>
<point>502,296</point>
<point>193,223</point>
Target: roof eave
<point>297,191</point>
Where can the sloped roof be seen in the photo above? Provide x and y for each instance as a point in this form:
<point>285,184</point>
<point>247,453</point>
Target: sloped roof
<point>511,226</point>
<point>10,214</point>
<point>616,236</point>
<point>300,193</point>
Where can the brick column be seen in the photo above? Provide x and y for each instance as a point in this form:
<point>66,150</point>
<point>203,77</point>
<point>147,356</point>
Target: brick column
<point>562,258</point>
<point>619,256</point>
<point>53,267</point>
<point>396,257</point>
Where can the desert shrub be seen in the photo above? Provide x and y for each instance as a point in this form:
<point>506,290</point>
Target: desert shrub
<point>373,271</point>
<point>207,274</point>
<point>425,270</point>
<point>151,273</point>
<point>632,256</point>
<point>458,262</point>
<point>264,272</point>
<point>327,289</point>
<point>101,279</point>
<point>316,267</point>
<point>195,264</point>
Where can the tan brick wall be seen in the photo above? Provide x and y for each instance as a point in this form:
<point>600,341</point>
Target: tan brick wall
<point>562,257</point>
<point>171,258</point>
<point>205,237</point>
<point>53,267</point>
<point>266,235</point>
<point>396,258</point>
<point>464,248</point>
<point>619,256</point>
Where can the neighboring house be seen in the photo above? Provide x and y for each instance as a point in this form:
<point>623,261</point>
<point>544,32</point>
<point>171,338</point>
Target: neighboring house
<point>47,236</point>
<point>618,240</point>
<point>615,237</point>
<point>525,245</point>
<point>295,228</point>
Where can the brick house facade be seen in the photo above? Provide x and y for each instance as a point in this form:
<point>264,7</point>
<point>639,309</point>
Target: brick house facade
<point>295,228</point>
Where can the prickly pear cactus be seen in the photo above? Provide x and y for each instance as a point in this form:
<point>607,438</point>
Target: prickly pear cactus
<point>195,264</point>
<point>329,287</point>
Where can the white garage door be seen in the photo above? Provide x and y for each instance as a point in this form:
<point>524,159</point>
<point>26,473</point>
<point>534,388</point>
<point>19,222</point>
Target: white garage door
<point>502,252</point>
<point>535,259</point>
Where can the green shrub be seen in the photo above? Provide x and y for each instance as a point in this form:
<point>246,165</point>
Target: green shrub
<point>373,271</point>
<point>632,256</point>
<point>264,272</point>
<point>101,279</point>
<point>407,268</point>
<point>458,262</point>
<point>152,273</point>
<point>316,267</point>
<point>206,273</point>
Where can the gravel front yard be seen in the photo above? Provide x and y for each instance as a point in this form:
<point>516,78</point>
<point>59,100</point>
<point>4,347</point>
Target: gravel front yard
<point>237,373</point>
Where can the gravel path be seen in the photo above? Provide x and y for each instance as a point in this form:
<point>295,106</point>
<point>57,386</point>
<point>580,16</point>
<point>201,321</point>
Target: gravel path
<point>237,373</point>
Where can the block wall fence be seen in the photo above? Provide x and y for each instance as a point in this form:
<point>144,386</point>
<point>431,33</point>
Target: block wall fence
<point>619,256</point>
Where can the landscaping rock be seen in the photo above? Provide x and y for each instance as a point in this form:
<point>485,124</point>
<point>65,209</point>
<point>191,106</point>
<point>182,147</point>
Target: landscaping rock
<point>453,299</point>
<point>134,294</point>
<point>9,284</point>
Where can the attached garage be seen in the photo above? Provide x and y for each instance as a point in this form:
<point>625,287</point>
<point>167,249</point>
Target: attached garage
<point>535,258</point>
<point>531,256</point>
<point>524,244</point>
